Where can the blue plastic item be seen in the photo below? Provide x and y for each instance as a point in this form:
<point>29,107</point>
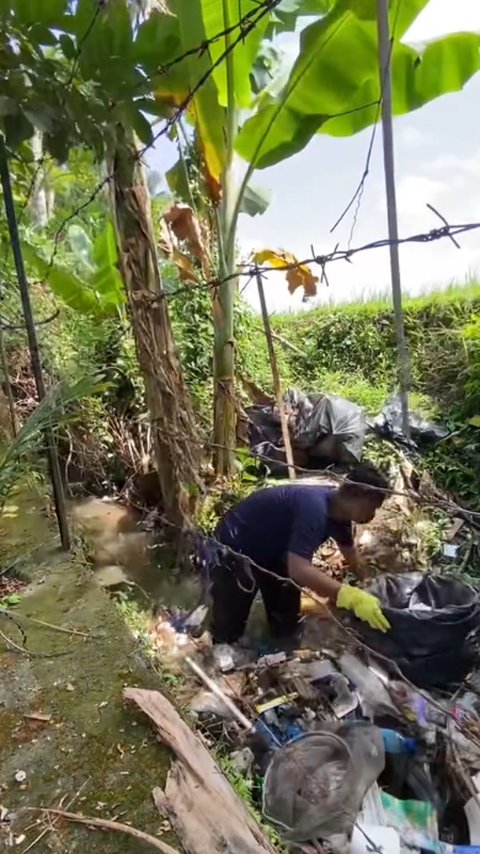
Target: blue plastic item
<point>393,742</point>
<point>446,848</point>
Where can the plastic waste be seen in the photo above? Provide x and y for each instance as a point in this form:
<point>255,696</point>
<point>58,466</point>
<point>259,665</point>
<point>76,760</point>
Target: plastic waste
<point>365,836</point>
<point>223,656</point>
<point>313,787</point>
<point>413,706</point>
<point>329,426</point>
<point>374,697</point>
<point>207,703</point>
<point>324,428</point>
<point>396,743</point>
<point>434,620</point>
<point>446,848</point>
<point>389,424</point>
<point>415,821</point>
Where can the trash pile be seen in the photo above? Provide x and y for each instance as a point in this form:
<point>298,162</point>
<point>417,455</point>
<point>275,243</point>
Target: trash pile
<point>326,429</point>
<point>343,755</point>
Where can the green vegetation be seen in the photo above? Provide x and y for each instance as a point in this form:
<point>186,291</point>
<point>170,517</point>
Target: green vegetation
<point>350,350</point>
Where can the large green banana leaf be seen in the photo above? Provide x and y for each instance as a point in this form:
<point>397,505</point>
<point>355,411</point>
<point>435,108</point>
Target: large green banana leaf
<point>334,84</point>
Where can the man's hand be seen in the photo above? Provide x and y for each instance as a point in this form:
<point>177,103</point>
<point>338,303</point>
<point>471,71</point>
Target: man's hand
<point>365,606</point>
<point>353,560</point>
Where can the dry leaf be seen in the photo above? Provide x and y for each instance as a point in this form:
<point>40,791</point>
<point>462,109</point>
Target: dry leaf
<point>300,276</point>
<point>185,226</point>
<point>38,717</point>
<point>184,265</point>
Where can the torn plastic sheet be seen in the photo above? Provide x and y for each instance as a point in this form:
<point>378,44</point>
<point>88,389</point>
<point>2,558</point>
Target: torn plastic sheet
<point>434,622</point>
<point>323,428</point>
<point>422,431</point>
<point>314,786</point>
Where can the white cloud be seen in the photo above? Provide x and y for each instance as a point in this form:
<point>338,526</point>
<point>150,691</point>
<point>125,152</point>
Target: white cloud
<point>442,16</point>
<point>411,137</point>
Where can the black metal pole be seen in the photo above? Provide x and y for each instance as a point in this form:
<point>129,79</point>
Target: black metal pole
<point>384,54</point>
<point>58,492</point>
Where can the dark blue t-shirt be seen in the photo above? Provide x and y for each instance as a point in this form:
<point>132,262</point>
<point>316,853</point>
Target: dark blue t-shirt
<point>271,522</point>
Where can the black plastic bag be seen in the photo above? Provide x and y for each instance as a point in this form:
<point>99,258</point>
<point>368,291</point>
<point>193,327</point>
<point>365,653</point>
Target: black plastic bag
<point>422,432</point>
<point>434,622</point>
<point>324,429</point>
<point>328,425</point>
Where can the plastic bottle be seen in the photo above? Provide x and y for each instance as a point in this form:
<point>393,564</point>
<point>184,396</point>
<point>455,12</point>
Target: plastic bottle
<point>393,742</point>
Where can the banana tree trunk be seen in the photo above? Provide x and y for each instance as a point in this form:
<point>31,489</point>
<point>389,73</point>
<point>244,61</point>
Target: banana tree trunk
<point>224,428</point>
<point>38,201</point>
<point>172,423</point>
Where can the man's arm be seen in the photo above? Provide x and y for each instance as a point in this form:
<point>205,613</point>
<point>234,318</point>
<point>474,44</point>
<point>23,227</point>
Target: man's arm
<point>306,575</point>
<point>352,558</point>
<point>365,606</point>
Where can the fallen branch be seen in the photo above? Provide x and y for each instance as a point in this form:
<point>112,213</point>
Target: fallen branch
<point>107,824</point>
<point>283,341</point>
<point>199,802</point>
<point>54,627</point>
<point>46,830</point>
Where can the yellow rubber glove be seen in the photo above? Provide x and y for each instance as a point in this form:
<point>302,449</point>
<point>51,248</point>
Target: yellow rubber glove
<point>365,606</point>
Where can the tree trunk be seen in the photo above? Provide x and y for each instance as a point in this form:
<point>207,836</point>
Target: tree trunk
<point>38,201</point>
<point>173,428</point>
<point>224,426</point>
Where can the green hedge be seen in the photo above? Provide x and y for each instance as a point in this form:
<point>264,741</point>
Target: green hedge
<point>350,350</point>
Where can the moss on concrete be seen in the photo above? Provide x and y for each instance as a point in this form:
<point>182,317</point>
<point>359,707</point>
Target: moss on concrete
<point>91,740</point>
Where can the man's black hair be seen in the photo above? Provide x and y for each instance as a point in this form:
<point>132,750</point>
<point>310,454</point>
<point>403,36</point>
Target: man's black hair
<point>368,481</point>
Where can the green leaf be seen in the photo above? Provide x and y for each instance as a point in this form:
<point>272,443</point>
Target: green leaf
<point>42,35</point>
<point>177,182</point>
<point>68,46</point>
<point>12,599</point>
<point>65,285</point>
<point>418,76</point>
<point>107,280</point>
<point>7,105</point>
<point>81,246</point>
<point>475,421</point>
<point>205,110</point>
<point>255,200</point>
<point>284,18</point>
<point>219,15</point>
<point>153,107</point>
<point>141,126</point>
<point>57,144</point>
<point>46,12</point>
<point>104,33</point>
<point>17,128</point>
<point>158,41</point>
<point>306,105</point>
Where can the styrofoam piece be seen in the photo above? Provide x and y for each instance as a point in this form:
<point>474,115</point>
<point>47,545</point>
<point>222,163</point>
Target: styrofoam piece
<point>385,839</point>
<point>472,812</point>
<point>372,808</point>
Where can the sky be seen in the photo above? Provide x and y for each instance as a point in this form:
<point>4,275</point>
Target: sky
<point>437,161</point>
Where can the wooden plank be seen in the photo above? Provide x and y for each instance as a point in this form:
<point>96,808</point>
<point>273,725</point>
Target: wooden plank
<point>205,812</point>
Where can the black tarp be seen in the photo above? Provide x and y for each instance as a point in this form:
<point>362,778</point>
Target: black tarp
<point>434,622</point>
<point>324,429</point>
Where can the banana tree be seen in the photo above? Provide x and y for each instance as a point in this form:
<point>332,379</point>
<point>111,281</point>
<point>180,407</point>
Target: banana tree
<point>90,88</point>
<point>324,93</point>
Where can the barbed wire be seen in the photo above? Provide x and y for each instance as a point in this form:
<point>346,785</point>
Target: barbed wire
<point>68,86</point>
<point>358,194</point>
<point>247,564</point>
<point>447,231</point>
<point>263,7</point>
<point>246,24</point>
